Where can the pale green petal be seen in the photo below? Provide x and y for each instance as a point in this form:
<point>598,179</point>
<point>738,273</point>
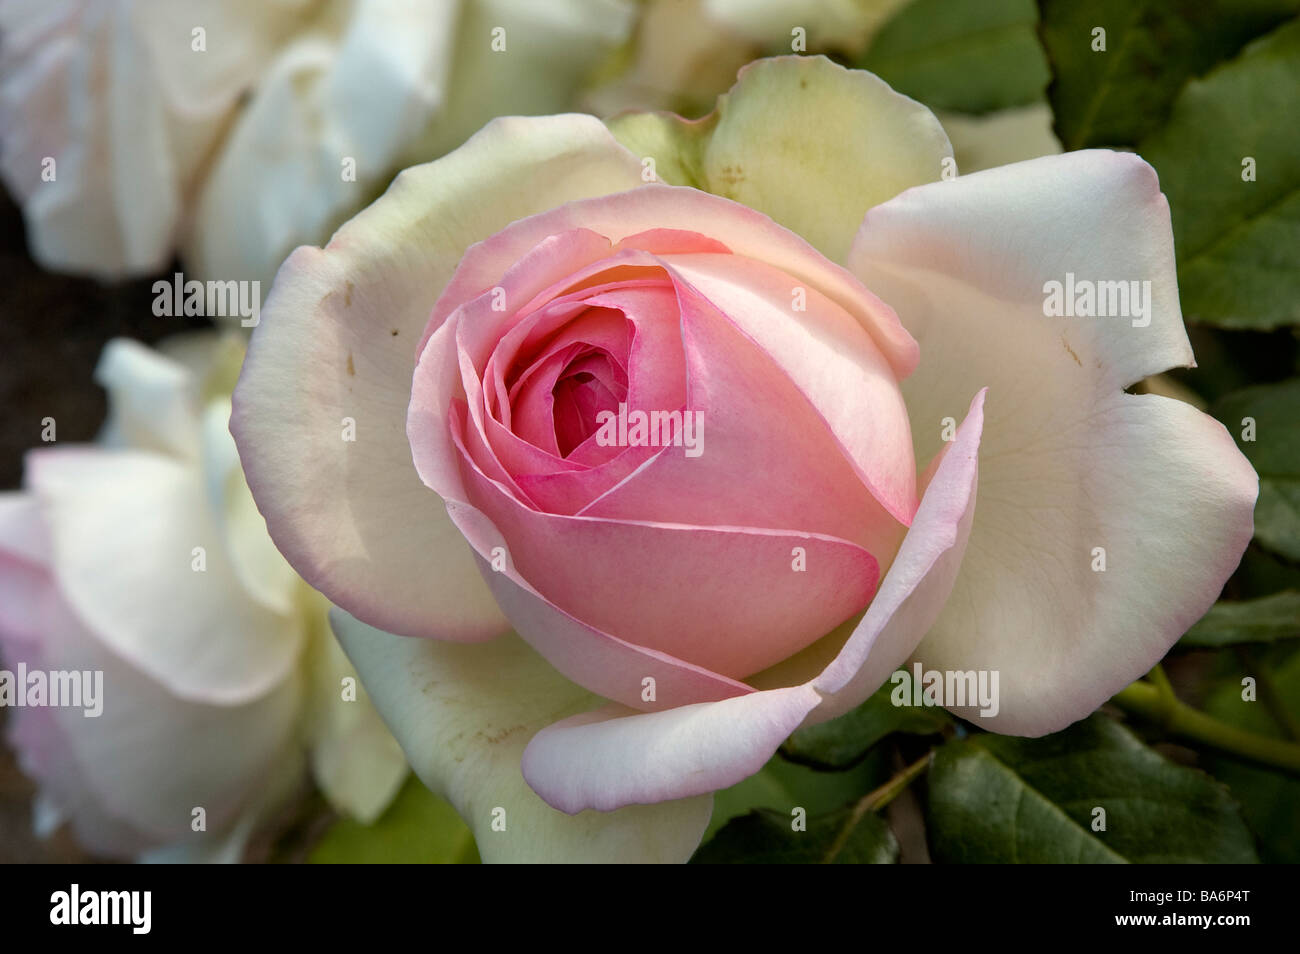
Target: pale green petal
<point>842,24</point>
<point>354,758</point>
<point>156,394</point>
<point>153,401</point>
<point>520,58</point>
<point>685,53</point>
<point>463,714</point>
<point>809,143</point>
<point>264,573</point>
<point>996,139</point>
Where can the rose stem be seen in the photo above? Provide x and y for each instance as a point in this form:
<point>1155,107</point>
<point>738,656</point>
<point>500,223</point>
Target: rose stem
<point>875,800</point>
<point>1160,705</point>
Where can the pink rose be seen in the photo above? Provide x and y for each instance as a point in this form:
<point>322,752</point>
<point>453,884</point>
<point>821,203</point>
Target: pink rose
<point>714,364</point>
<point>436,418</point>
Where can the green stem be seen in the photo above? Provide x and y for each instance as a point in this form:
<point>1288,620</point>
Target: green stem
<point>1270,694</point>
<point>1181,719</point>
<point>875,800</point>
<point>1168,700</point>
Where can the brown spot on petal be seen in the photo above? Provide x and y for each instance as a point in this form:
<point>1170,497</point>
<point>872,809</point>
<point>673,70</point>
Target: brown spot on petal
<point>731,175</point>
<point>347,295</point>
<point>501,736</point>
<point>1071,350</point>
<point>351,369</point>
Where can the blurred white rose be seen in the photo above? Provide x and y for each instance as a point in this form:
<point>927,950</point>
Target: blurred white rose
<point>110,111</point>
<point>1002,137</point>
<point>687,52</point>
<point>144,558</point>
<point>293,116</point>
<point>373,88</point>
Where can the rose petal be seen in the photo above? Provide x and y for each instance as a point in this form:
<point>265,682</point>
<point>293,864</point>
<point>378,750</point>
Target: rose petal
<point>742,309</point>
<point>263,572</point>
<point>1070,463</point>
<point>124,525</point>
<point>103,772</point>
<point>801,139</point>
<point>653,210</point>
<point>608,758</point>
<point>354,759</point>
<point>152,400</point>
<point>463,715</point>
<point>353,517</point>
<point>613,757</point>
<point>362,91</point>
<point>727,599</point>
<point>23,533</point>
<point>588,656</point>
<point>1009,135</point>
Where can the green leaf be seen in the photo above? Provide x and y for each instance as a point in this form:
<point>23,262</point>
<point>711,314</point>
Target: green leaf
<point>1263,573</point>
<point>1274,410</point>
<point>1002,799</point>
<point>844,741</point>
<point>1268,797</point>
<point>971,56</point>
<point>1263,620</point>
<point>1153,47</point>
<point>1236,239</point>
<point>1228,361</point>
<point>768,837</point>
<point>781,786</point>
<point>418,828</point>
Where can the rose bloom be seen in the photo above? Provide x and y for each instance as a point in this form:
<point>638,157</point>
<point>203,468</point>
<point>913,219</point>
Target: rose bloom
<point>864,351</point>
<point>143,558</point>
<point>265,129</point>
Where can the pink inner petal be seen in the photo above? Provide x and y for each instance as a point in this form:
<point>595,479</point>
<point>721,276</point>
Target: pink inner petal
<point>588,386</point>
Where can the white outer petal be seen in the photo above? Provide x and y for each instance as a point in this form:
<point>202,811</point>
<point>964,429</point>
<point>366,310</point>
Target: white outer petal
<point>464,713</point>
<point>1070,463</point>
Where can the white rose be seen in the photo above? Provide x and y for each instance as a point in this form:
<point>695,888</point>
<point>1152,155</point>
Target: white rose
<point>144,559</point>
<point>237,152</point>
<point>686,52</point>
<point>111,111</point>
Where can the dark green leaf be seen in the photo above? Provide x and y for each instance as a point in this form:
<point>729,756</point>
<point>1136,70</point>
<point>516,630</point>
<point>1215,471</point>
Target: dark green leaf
<point>1227,361</point>
<point>842,742</point>
<point>1262,620</point>
<point>1263,573</point>
<point>1002,799</point>
<point>1236,239</point>
<point>971,56</point>
<point>768,837</point>
<point>418,828</point>
<point>1274,410</point>
<point>781,786</point>
<point>1269,798</point>
<point>1116,96</point>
